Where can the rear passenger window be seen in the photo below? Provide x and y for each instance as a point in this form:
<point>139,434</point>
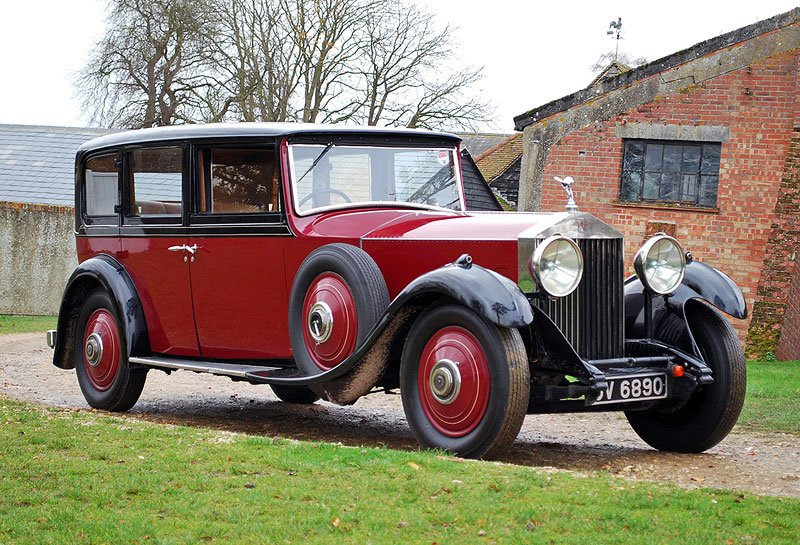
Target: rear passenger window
<point>155,182</point>
<point>238,181</point>
<point>101,177</point>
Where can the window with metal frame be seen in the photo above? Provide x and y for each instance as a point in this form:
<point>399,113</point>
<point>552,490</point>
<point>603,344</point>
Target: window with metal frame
<point>238,181</point>
<point>101,180</point>
<point>670,172</point>
<point>155,182</point>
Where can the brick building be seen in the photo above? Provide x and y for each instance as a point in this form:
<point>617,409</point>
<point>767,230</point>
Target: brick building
<point>703,144</point>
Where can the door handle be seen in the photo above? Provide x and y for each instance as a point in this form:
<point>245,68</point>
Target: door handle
<point>184,248</point>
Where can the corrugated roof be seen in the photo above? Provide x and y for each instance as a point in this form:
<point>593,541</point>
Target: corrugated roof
<point>37,162</point>
<point>495,161</point>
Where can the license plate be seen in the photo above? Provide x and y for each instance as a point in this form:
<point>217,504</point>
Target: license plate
<point>638,387</point>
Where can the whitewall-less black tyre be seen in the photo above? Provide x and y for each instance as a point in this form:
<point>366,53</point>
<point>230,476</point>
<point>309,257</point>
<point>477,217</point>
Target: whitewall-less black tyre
<point>101,358</point>
<point>465,383</point>
<point>338,295</point>
<point>710,414</point>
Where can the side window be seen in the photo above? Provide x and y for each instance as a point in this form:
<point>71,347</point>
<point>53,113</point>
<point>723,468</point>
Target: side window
<point>101,176</point>
<point>668,171</point>
<point>238,181</point>
<point>155,181</point>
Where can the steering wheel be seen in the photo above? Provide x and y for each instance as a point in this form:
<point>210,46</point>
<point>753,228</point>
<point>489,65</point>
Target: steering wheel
<point>324,191</point>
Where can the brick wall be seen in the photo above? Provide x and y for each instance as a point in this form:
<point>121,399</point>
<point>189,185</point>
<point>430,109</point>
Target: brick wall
<point>759,106</point>
<point>780,283</point>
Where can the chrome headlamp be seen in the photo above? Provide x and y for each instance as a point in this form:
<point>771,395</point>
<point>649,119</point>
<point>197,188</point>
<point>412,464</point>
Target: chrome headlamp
<point>557,266</point>
<point>660,264</point>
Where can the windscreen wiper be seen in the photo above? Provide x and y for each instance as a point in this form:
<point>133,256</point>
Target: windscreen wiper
<point>315,161</point>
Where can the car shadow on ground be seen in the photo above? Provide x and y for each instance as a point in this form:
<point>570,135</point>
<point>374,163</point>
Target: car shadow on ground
<point>361,427</point>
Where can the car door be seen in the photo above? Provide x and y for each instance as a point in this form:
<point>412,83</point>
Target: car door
<point>154,245</point>
<point>239,291</point>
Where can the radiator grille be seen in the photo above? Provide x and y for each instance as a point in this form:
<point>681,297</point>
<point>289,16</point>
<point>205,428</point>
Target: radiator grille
<point>591,318</point>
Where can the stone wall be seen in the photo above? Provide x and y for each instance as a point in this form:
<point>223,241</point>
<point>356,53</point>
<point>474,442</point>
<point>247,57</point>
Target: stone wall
<point>756,101</point>
<point>37,255</point>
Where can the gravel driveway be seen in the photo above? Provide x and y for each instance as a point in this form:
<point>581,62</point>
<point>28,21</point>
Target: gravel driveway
<point>746,461</point>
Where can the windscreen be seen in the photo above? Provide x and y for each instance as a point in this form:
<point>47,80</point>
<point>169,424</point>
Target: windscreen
<point>332,175</point>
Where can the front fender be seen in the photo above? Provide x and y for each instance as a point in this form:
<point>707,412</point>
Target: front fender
<point>489,294</point>
<point>670,321</point>
<point>102,271</point>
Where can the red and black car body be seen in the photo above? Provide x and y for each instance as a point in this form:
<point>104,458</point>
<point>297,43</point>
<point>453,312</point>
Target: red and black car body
<point>333,262</point>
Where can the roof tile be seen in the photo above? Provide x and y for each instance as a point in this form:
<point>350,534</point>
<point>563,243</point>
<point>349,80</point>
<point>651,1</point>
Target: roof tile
<point>37,163</point>
<point>495,161</point>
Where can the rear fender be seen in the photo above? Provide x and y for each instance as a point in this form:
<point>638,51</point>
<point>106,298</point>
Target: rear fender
<point>104,272</point>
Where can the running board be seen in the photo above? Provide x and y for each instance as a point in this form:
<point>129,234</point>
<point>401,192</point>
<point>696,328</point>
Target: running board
<point>252,373</point>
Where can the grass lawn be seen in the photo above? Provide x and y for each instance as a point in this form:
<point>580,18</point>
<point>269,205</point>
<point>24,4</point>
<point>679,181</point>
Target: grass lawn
<point>26,324</point>
<point>81,477</point>
<point>773,396</point>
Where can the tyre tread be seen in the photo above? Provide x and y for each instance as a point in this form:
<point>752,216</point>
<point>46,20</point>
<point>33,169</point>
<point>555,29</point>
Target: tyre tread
<point>518,394</point>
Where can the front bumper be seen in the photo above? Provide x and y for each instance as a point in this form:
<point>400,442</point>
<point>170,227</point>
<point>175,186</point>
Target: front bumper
<point>584,381</point>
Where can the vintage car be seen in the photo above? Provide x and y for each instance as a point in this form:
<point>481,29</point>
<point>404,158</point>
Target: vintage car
<point>332,262</point>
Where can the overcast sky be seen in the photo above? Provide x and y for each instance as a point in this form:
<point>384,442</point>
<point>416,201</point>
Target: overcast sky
<point>532,51</point>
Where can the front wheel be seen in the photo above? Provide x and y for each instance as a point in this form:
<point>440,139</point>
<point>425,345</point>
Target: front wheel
<point>465,383</point>
<point>710,414</point>
<point>101,359</point>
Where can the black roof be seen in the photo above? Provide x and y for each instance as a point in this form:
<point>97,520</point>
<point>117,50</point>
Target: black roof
<point>477,193</point>
<point>507,183</point>
<point>660,65</point>
<point>222,130</point>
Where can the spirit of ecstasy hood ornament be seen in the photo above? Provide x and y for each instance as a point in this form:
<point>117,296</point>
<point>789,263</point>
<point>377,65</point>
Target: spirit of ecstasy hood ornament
<point>566,183</point>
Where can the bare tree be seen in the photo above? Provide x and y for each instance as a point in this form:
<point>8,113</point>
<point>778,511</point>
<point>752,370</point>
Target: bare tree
<point>379,62</point>
<point>147,68</point>
<point>408,73</point>
<point>253,69</point>
<point>326,35</point>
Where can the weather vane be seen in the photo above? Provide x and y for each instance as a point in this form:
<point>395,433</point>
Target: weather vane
<point>615,28</point>
<point>566,183</point>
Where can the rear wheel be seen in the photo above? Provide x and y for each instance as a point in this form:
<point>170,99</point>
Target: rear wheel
<point>465,383</point>
<point>294,394</point>
<point>101,358</point>
<point>710,414</point>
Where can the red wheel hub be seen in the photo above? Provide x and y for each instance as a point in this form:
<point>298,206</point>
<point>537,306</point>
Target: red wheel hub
<point>102,349</point>
<point>453,381</point>
<point>330,324</point>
